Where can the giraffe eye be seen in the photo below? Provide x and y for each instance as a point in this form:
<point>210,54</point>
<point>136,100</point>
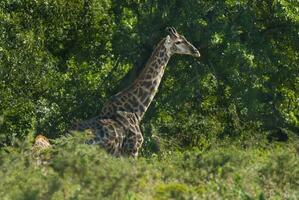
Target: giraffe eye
<point>178,42</point>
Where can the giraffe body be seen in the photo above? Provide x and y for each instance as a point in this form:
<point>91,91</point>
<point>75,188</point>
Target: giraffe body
<point>119,134</point>
<point>117,129</point>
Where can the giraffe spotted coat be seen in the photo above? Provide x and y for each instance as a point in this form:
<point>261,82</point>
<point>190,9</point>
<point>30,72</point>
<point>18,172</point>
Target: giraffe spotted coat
<point>117,129</point>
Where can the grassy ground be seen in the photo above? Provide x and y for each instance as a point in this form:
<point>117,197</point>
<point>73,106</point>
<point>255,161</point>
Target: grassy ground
<point>72,170</point>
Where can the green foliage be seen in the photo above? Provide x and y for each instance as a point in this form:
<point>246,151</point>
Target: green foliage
<point>73,170</point>
<point>206,131</point>
<point>54,56</point>
<point>249,53</point>
<point>61,59</point>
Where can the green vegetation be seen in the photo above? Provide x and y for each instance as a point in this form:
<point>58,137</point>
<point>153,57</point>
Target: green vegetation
<point>71,170</point>
<point>224,126</point>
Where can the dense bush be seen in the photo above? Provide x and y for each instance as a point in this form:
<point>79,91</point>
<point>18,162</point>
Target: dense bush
<point>72,170</point>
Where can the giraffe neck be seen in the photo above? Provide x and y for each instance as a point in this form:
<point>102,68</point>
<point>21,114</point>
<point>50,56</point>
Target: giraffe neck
<point>138,96</point>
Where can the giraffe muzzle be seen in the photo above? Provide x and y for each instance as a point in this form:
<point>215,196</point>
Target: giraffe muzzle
<point>196,53</point>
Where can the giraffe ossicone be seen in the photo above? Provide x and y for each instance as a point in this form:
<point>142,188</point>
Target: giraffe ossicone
<point>117,129</point>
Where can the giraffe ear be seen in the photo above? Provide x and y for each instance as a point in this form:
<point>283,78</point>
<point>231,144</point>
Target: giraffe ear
<point>167,41</point>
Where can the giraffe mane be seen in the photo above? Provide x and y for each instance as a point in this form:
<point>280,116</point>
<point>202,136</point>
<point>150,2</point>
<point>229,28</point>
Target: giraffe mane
<point>152,57</point>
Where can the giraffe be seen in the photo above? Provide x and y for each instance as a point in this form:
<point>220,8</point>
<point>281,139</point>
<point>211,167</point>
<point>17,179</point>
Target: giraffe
<point>41,142</point>
<point>117,129</point>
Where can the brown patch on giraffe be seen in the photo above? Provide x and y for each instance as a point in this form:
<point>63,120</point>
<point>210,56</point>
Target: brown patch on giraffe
<point>122,98</point>
<point>153,88</point>
<point>159,62</point>
<point>138,90</point>
<point>134,91</point>
<point>141,108</point>
<point>127,106</point>
<point>131,102</point>
<point>147,101</point>
<point>142,94</point>
<point>152,72</point>
<point>146,84</point>
<point>148,76</point>
<point>166,59</point>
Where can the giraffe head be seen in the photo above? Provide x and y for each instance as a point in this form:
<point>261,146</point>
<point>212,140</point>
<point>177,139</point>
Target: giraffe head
<point>41,142</point>
<point>178,44</point>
